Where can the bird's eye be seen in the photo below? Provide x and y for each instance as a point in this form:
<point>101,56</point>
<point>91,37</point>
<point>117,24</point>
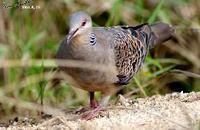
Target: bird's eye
<point>83,23</point>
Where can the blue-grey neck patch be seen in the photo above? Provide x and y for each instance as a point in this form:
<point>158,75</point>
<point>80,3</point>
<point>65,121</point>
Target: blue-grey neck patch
<point>93,39</point>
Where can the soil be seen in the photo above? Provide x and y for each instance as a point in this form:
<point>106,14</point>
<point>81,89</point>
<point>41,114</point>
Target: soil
<point>176,111</point>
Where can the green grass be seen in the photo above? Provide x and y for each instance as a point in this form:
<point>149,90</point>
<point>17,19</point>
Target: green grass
<point>36,34</point>
<point>115,14</point>
<point>155,13</point>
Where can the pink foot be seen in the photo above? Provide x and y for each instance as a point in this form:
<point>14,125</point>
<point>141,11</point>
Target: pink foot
<point>91,114</point>
<point>93,104</point>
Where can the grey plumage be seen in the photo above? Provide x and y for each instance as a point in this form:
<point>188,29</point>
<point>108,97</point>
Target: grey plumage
<point>123,47</point>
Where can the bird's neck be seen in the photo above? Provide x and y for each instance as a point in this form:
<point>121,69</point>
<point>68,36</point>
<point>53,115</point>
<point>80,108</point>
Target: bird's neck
<point>82,39</point>
<point>80,43</point>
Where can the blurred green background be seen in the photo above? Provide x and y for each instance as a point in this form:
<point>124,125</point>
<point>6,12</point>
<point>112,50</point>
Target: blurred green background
<point>27,34</point>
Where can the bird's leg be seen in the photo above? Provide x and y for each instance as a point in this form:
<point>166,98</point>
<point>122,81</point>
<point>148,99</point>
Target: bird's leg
<point>104,100</point>
<point>93,102</point>
<point>94,113</point>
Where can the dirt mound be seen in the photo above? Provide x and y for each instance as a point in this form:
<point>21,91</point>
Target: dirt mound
<point>178,111</point>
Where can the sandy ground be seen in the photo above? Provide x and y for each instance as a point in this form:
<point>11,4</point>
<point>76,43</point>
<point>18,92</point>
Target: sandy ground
<point>176,111</point>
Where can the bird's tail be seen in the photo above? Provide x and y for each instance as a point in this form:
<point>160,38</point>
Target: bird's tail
<point>160,32</point>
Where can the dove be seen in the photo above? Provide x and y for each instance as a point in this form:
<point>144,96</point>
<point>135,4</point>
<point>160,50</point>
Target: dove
<point>122,47</point>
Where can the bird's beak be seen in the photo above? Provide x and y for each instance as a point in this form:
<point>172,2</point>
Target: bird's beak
<point>71,34</point>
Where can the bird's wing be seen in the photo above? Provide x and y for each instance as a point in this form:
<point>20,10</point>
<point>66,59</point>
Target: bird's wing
<point>131,44</point>
<point>130,49</point>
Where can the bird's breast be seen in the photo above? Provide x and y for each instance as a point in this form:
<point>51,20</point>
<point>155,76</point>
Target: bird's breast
<point>102,64</point>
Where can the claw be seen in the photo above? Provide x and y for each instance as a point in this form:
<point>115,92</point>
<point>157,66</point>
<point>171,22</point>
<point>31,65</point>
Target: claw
<point>91,114</point>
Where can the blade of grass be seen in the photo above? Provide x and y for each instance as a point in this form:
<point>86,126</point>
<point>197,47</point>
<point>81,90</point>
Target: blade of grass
<point>155,13</point>
<point>151,61</point>
<point>43,82</point>
<point>189,74</point>
<point>34,39</point>
<point>157,73</point>
<point>140,86</point>
<point>115,13</point>
<point>139,8</point>
<point>164,16</point>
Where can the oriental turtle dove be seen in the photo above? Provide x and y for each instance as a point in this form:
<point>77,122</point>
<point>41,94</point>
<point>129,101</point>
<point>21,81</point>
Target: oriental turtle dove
<point>123,47</point>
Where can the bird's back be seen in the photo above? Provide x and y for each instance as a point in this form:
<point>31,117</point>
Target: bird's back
<point>131,44</point>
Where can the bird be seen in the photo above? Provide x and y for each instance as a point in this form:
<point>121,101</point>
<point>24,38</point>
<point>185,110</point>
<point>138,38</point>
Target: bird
<point>123,47</point>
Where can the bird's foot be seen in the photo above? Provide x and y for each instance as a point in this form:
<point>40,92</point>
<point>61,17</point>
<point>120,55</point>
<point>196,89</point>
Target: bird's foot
<point>91,114</point>
<point>93,104</point>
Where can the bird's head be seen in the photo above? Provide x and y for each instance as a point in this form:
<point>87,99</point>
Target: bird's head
<point>79,21</point>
